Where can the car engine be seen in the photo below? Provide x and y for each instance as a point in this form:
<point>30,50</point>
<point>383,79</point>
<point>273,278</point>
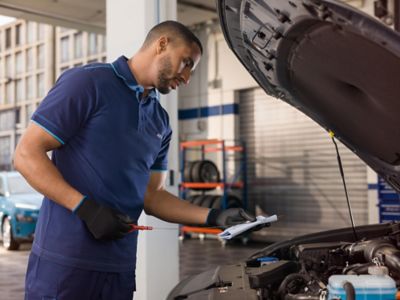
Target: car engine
<point>347,263</point>
<point>303,271</point>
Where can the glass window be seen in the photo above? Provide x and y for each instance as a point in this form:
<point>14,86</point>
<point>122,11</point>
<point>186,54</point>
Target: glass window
<point>78,45</point>
<point>41,31</point>
<point>63,29</point>
<point>31,32</point>
<point>29,59</point>
<point>64,48</point>
<point>7,120</point>
<point>18,35</point>
<point>5,152</point>
<point>19,90</point>
<point>8,38</point>
<point>18,63</point>
<point>92,43</point>
<point>18,137</point>
<point>40,56</point>
<point>9,71</point>
<point>29,87</point>
<point>40,85</point>
<point>9,92</point>
<point>17,115</point>
<point>30,108</point>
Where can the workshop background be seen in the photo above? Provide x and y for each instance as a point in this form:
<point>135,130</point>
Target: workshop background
<point>270,157</point>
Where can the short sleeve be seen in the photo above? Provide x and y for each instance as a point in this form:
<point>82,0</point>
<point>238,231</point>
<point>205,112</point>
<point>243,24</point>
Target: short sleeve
<point>68,105</point>
<point>161,162</point>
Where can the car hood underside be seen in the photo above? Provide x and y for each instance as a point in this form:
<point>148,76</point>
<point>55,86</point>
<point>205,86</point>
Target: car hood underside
<point>334,63</point>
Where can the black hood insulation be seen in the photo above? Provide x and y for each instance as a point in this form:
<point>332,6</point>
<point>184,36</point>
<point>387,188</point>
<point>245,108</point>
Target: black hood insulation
<point>334,63</point>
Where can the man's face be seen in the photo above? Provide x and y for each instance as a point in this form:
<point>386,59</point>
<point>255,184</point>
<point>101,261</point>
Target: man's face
<point>176,66</point>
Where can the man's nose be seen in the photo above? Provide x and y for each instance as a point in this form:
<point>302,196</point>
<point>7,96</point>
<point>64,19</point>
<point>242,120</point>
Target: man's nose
<point>185,76</point>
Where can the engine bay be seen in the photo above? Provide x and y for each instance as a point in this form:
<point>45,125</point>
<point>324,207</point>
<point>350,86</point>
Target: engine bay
<point>316,266</point>
<point>304,271</point>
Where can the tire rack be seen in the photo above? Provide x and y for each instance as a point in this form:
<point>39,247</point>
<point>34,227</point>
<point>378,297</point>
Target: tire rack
<point>207,146</point>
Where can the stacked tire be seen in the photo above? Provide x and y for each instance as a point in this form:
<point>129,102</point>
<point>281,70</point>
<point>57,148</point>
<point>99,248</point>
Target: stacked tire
<point>203,171</point>
<point>215,201</point>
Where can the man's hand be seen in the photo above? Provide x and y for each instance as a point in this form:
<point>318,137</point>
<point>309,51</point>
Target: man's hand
<point>103,222</point>
<point>228,217</point>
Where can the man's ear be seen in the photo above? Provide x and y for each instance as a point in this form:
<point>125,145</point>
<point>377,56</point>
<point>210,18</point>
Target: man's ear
<point>162,44</point>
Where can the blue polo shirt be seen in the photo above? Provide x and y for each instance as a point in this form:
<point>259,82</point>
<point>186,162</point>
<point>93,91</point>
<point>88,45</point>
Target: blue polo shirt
<point>111,140</point>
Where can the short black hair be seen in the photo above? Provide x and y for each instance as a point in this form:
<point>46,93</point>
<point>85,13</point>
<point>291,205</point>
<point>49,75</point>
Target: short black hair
<point>172,29</point>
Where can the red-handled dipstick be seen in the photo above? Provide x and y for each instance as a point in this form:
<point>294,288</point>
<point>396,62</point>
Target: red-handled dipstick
<point>138,227</point>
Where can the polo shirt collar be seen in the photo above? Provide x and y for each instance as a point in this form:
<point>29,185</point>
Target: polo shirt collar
<point>121,69</point>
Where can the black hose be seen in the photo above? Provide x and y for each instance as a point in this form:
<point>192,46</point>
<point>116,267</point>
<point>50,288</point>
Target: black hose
<point>391,258</point>
<point>386,252</point>
<point>357,269</point>
<point>282,291</point>
<point>381,248</point>
<point>350,291</point>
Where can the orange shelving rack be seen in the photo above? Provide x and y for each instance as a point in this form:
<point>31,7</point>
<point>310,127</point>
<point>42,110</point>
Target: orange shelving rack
<point>227,149</point>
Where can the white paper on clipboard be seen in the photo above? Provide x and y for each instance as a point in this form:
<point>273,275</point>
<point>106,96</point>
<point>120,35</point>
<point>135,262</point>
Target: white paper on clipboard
<point>235,230</point>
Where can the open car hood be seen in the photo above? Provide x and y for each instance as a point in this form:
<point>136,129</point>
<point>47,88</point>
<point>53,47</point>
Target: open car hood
<point>334,63</point>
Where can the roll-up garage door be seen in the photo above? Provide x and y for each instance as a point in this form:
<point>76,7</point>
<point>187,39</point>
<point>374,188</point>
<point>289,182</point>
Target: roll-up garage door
<point>293,171</point>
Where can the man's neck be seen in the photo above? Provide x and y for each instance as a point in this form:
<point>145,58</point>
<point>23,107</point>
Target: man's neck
<point>138,64</point>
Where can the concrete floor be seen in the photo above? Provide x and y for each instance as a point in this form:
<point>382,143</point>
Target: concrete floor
<point>195,256</point>
<point>12,272</point>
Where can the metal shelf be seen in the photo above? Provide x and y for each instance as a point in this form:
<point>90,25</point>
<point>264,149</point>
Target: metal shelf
<point>207,185</point>
<point>212,146</point>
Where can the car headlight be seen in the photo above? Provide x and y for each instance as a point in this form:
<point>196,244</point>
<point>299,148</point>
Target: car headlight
<point>27,216</point>
<point>23,218</point>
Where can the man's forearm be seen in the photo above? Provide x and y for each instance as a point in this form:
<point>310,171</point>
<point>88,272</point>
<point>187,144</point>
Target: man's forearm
<point>170,208</point>
<point>43,176</point>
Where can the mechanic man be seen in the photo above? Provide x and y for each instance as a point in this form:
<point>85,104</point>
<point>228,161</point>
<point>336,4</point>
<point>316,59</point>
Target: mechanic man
<point>110,137</point>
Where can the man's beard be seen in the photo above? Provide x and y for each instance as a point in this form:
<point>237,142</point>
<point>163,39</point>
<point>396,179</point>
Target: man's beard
<point>164,80</point>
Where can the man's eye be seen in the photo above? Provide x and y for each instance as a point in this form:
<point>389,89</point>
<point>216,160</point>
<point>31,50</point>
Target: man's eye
<point>188,63</point>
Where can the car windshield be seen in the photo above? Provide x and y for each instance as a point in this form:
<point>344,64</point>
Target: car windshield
<point>18,185</point>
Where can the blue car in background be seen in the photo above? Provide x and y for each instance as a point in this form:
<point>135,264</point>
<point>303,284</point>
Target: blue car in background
<point>19,210</point>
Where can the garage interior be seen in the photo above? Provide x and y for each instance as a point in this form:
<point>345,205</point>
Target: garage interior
<point>233,144</point>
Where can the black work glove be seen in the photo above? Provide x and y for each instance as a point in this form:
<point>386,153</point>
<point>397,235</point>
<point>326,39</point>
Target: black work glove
<point>228,217</point>
<point>259,227</point>
<point>103,222</point>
